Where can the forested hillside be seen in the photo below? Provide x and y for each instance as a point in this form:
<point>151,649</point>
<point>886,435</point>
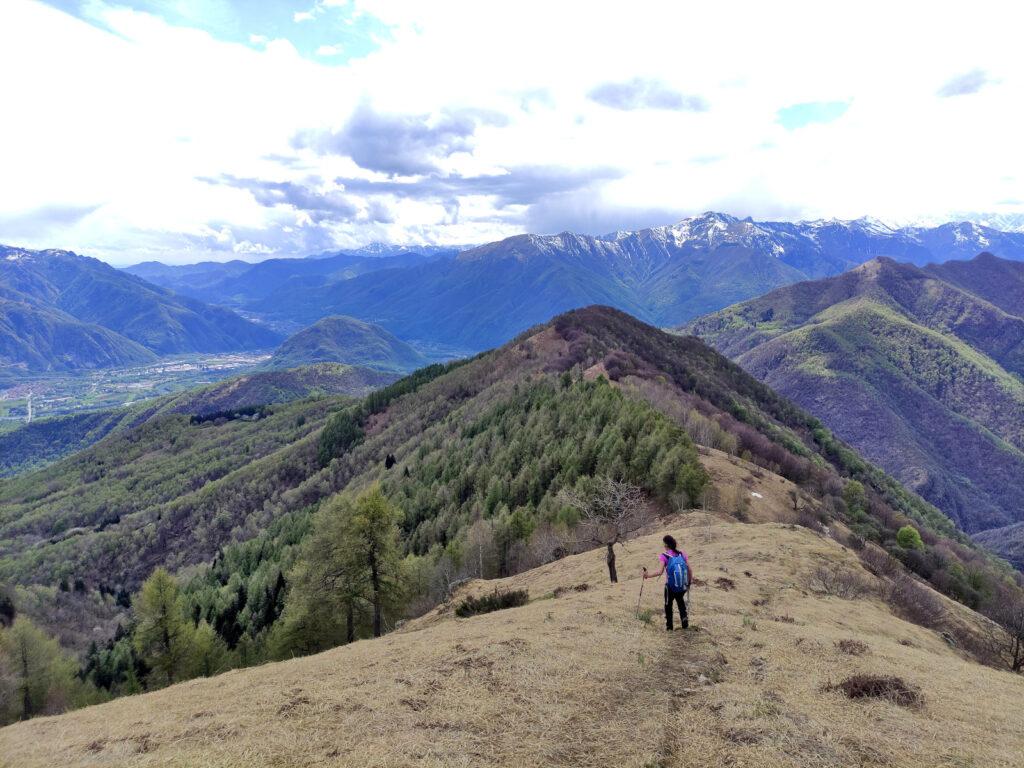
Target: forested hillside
<point>457,470</point>
<point>346,340</point>
<point>46,440</point>
<point>919,372</point>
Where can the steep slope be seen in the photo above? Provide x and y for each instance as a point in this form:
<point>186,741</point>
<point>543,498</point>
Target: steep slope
<point>919,374</point>
<point>997,280</point>
<point>95,293</point>
<point>340,339</point>
<point>574,678</point>
<point>34,338</point>
<point>664,275</point>
<point>46,440</point>
<point>1007,542</point>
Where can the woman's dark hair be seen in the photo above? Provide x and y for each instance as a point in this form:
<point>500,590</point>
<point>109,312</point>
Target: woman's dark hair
<point>670,542</point>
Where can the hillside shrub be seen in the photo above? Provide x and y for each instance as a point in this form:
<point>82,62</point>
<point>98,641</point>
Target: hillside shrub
<point>915,602</point>
<point>495,601</point>
<point>838,581</point>
<point>887,687</point>
<point>908,537</point>
<point>852,647</point>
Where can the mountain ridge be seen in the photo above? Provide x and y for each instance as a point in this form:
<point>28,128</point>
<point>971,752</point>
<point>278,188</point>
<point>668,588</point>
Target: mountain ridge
<point>52,295</point>
<point>919,373</point>
<point>664,275</point>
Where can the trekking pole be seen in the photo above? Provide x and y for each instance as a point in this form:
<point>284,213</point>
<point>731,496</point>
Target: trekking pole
<point>641,593</point>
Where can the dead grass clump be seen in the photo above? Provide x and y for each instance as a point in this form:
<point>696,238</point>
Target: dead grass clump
<point>725,584</point>
<point>786,619</point>
<point>838,581</point>
<point>742,736</point>
<point>887,687</point>
<point>496,601</point>
<point>559,591</point>
<point>852,647</point>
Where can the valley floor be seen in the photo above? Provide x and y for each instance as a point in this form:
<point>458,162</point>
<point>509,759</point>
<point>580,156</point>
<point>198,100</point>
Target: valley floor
<point>574,678</point>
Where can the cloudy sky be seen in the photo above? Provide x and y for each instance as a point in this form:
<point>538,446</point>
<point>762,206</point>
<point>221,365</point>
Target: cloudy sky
<point>216,129</point>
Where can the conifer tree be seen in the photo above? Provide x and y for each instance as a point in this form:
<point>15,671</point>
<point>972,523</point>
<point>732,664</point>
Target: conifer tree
<point>210,654</point>
<point>163,636</point>
<point>374,539</point>
<point>36,676</point>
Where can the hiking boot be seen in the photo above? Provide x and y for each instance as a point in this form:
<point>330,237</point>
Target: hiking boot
<point>686,623</point>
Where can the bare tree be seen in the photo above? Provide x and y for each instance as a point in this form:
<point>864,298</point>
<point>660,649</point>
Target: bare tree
<point>1006,635</point>
<point>611,511</point>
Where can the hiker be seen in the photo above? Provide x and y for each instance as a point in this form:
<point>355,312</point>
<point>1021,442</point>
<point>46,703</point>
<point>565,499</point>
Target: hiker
<point>678,577</point>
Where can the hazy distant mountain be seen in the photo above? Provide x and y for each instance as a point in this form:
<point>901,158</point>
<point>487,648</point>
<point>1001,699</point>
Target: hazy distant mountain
<point>388,249</point>
<point>188,277</point>
<point>664,275</point>
<point>238,283</point>
<point>62,311</point>
<point>346,340</point>
<point>920,369</point>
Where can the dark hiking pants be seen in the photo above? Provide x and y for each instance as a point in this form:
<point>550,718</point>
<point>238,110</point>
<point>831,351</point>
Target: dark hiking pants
<point>676,597</point>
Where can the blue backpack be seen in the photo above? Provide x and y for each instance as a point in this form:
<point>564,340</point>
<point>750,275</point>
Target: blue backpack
<point>676,571</point>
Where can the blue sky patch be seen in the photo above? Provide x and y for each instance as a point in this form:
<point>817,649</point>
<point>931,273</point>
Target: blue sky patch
<point>798,115</point>
<point>331,35</point>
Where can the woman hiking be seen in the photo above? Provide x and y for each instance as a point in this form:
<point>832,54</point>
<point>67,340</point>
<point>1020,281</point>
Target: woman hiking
<point>678,577</point>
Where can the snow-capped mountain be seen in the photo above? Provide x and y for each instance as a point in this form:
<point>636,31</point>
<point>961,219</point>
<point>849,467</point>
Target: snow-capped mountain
<point>816,248</point>
<point>666,275</point>
<point>1004,222</point>
<point>380,249</point>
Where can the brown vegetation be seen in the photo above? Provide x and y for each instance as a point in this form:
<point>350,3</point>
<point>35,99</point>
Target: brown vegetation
<point>496,690</point>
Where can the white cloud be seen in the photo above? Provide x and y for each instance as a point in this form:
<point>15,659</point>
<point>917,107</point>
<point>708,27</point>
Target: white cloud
<point>330,50</point>
<point>126,120</point>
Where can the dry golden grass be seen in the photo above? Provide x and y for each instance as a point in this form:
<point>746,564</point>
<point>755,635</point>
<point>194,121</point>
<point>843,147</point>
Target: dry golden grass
<point>578,680</point>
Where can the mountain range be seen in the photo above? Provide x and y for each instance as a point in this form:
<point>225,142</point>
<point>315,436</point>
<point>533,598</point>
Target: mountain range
<point>173,492</point>
<point>240,284</point>
<point>60,311</point>
<point>919,368</point>
<point>483,296</point>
